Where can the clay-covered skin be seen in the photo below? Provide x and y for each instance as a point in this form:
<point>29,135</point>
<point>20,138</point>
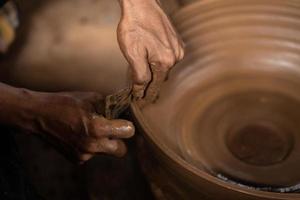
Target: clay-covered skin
<point>227,120</point>
<point>148,40</point>
<point>71,121</point>
<point>48,56</point>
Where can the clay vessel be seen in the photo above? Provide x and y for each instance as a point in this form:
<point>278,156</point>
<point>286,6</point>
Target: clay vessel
<point>226,125</point>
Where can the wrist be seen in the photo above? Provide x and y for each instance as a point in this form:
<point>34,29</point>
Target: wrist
<point>19,107</point>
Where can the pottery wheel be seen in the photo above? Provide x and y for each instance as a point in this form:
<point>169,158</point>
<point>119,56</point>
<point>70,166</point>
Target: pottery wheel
<point>232,107</point>
<point>242,130</point>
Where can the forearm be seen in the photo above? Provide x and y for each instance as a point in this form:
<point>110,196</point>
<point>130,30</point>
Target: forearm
<point>17,107</point>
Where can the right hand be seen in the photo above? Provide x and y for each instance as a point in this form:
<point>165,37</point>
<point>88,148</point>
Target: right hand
<point>149,42</point>
<point>70,122</point>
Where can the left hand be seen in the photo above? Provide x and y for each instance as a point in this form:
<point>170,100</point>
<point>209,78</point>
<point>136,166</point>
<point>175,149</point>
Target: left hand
<point>147,38</point>
<point>73,123</point>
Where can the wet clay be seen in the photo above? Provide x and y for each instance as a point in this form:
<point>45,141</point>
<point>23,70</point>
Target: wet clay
<point>227,120</point>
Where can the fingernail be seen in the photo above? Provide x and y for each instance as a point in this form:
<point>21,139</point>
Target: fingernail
<point>125,129</point>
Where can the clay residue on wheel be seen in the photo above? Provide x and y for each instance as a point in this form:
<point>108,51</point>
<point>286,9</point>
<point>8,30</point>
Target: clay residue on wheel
<point>241,70</point>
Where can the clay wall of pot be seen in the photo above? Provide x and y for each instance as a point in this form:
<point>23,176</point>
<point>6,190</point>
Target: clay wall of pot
<point>241,69</point>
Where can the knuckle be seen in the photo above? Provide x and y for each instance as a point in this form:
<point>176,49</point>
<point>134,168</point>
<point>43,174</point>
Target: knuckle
<point>99,123</point>
<point>168,61</point>
<point>100,131</point>
<point>133,51</point>
<point>142,78</point>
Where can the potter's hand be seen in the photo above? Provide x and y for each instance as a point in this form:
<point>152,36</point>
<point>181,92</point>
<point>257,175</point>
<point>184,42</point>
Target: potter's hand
<point>70,122</point>
<point>147,38</point>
